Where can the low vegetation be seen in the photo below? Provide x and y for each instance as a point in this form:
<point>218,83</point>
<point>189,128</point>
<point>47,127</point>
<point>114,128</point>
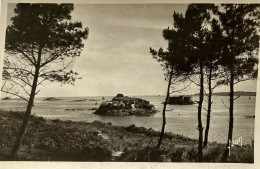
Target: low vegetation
<point>57,140</point>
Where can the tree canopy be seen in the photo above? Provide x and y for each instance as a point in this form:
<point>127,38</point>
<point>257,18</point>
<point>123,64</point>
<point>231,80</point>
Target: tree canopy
<point>43,36</point>
<point>239,26</point>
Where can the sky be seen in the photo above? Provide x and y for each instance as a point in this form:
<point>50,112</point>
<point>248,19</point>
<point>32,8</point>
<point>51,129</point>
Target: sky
<point>116,56</point>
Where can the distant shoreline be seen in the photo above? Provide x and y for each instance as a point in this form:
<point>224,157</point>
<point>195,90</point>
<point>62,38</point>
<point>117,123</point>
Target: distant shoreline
<point>238,93</point>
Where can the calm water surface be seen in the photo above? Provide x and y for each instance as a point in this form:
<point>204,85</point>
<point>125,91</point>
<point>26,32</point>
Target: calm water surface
<point>181,119</point>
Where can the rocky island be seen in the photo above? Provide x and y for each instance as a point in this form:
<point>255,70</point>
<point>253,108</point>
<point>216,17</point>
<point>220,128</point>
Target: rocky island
<point>52,99</point>
<point>124,106</point>
<point>6,98</point>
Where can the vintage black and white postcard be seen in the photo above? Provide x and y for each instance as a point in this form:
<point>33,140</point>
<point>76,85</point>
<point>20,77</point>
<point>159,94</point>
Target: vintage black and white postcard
<point>169,84</point>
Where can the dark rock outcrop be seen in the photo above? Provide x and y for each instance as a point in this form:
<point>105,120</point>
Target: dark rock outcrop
<point>52,99</point>
<point>6,98</point>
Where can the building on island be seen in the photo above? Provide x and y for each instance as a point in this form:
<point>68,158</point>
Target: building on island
<point>181,100</point>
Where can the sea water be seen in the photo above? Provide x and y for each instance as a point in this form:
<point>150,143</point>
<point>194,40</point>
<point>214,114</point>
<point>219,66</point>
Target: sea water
<point>181,119</point>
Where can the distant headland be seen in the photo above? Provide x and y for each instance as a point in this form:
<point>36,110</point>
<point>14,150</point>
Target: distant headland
<point>238,93</point>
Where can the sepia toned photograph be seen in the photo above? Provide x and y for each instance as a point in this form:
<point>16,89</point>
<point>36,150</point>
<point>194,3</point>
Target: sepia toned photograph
<point>139,82</point>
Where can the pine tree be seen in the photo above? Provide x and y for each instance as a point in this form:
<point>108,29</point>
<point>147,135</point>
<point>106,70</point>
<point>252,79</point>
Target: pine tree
<point>41,45</point>
<point>239,50</point>
<point>173,62</point>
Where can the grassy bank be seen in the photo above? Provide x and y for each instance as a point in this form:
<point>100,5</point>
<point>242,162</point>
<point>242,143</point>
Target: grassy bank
<point>57,140</point>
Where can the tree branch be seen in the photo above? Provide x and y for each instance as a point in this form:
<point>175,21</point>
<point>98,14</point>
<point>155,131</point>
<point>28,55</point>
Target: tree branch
<point>19,69</point>
<point>25,55</point>
<point>23,87</point>
<point>224,76</point>
<point>22,80</point>
<point>224,104</point>
<point>193,81</point>
<point>37,92</point>
<point>52,58</point>
<point>176,91</point>
<point>242,80</point>
<point>236,98</point>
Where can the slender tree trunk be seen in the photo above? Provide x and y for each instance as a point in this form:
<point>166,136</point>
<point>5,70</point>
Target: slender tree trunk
<point>200,128</point>
<point>209,110</point>
<point>28,109</point>
<point>164,109</point>
<point>231,117</point>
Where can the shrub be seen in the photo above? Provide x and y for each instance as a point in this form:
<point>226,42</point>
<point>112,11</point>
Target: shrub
<point>243,154</point>
<point>192,155</point>
<point>213,153</point>
<point>177,155</point>
<point>146,154</point>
